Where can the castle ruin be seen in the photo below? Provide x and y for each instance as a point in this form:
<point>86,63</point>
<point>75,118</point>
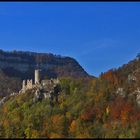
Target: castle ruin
<point>43,88</point>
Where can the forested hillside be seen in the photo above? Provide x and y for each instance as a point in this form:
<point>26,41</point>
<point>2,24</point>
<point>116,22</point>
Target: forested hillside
<point>8,84</point>
<point>103,107</point>
<point>85,109</point>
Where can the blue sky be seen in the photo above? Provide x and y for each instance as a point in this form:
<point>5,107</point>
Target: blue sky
<point>99,35</point>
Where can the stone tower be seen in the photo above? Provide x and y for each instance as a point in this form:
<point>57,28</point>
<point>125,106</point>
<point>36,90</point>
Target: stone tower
<point>37,76</point>
<point>23,84</point>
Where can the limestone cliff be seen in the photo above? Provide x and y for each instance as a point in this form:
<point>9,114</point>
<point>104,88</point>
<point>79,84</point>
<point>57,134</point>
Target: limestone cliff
<point>22,64</point>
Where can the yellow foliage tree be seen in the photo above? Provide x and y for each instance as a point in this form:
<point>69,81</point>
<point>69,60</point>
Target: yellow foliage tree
<point>55,135</point>
<point>34,134</point>
<point>73,127</point>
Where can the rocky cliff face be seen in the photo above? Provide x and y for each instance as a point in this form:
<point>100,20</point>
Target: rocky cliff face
<point>22,64</point>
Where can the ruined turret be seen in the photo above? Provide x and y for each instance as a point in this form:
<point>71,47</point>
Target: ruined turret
<point>23,84</point>
<point>29,84</point>
<point>37,76</point>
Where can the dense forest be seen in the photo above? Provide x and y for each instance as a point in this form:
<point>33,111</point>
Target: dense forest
<point>103,107</point>
<point>8,84</point>
<point>86,109</point>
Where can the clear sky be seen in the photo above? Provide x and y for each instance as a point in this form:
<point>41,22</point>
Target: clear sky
<point>99,35</point>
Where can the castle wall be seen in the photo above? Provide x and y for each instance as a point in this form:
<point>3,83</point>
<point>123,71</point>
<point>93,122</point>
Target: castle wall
<point>29,84</point>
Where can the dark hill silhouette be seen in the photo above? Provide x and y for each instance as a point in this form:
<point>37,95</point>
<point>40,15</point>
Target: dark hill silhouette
<point>22,64</point>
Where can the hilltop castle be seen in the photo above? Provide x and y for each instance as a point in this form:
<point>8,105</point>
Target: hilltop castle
<point>43,88</point>
<point>40,88</point>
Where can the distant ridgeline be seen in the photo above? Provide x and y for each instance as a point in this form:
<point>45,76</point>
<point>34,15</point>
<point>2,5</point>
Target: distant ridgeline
<point>22,64</point>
